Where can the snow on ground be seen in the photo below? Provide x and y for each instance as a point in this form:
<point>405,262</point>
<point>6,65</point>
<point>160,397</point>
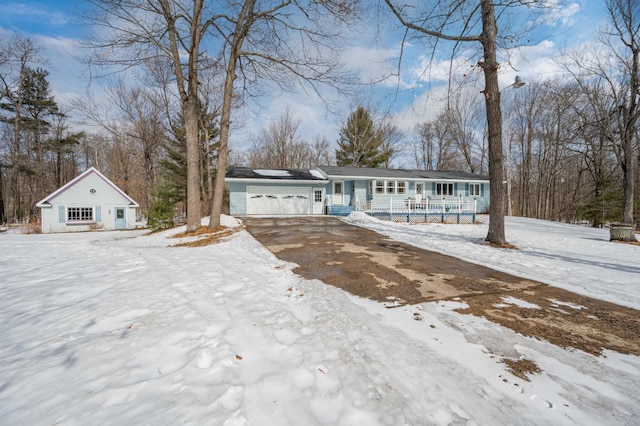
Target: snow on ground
<point>119,328</point>
<point>576,258</point>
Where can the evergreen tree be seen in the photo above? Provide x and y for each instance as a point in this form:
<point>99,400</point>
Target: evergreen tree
<point>162,208</point>
<point>28,108</point>
<point>174,165</point>
<point>360,143</point>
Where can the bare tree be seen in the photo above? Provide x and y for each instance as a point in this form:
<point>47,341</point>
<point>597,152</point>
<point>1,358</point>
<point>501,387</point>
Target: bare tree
<point>136,32</point>
<point>321,154</point>
<point>593,147</point>
<point>269,41</point>
<point>141,113</point>
<point>463,118</point>
<point>434,149</point>
<point>391,137</point>
<point>625,28</point>
<point>470,21</point>
<point>279,145</point>
<point>63,145</point>
<point>274,40</point>
<point>136,116</point>
<point>614,68</point>
<point>423,147</point>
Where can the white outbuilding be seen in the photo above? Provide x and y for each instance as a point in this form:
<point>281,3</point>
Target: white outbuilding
<point>88,202</point>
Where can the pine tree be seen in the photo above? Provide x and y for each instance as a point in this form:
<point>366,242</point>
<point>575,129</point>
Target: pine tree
<point>360,143</point>
<point>162,208</point>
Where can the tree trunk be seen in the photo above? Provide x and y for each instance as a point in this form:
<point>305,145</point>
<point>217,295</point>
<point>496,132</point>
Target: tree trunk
<point>193,163</point>
<point>223,150</point>
<point>496,234</point>
<point>242,26</point>
<point>191,113</point>
<point>3,215</point>
<point>629,180</point>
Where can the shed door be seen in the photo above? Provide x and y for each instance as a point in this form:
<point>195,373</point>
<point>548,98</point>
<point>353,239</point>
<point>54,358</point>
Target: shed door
<point>120,218</point>
<point>278,200</point>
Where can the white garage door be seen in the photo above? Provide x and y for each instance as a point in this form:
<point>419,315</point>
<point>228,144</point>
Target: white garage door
<point>278,200</point>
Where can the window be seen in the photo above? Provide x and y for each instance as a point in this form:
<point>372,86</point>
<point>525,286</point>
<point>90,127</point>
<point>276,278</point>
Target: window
<point>317,195</point>
<point>474,189</point>
<point>444,189</point>
<point>391,187</point>
<point>337,188</point>
<point>80,214</point>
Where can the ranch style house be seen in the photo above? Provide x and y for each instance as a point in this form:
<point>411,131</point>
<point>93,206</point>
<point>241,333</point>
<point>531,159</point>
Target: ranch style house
<point>395,194</point>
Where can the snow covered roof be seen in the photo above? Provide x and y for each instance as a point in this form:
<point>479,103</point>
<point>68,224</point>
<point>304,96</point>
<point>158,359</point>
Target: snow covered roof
<point>238,173</point>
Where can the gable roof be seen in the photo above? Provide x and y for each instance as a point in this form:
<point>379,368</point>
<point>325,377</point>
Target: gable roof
<point>46,201</point>
<point>241,173</point>
<point>409,174</point>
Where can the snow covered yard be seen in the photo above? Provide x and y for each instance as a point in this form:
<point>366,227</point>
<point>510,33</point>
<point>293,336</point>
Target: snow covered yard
<point>120,328</point>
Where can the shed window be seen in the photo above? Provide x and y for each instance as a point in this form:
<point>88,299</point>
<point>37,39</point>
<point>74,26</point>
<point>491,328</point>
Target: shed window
<point>80,214</point>
<point>474,189</point>
<point>444,189</point>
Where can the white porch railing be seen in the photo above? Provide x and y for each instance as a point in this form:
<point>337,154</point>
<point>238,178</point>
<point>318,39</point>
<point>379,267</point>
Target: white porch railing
<point>428,206</point>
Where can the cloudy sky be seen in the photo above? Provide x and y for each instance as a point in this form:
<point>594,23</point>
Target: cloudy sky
<point>373,51</point>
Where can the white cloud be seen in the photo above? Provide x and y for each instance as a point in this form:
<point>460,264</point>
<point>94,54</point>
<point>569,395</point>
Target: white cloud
<point>38,11</point>
<point>558,12</point>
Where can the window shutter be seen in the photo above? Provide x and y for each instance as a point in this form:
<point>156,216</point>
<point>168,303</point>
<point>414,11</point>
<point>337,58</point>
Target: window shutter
<point>466,189</point>
<point>61,214</point>
<point>455,189</point>
<point>433,189</point>
<point>98,214</point>
<point>482,189</point>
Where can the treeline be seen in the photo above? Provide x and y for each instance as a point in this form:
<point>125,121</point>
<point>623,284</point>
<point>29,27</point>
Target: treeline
<point>133,134</point>
<point>563,155</point>
<point>570,145</point>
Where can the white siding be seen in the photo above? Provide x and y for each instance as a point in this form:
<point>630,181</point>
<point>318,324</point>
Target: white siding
<point>91,191</point>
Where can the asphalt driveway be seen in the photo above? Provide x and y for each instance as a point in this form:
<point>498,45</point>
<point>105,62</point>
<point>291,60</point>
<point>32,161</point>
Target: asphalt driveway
<point>370,265</point>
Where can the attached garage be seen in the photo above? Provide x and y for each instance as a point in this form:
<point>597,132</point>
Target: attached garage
<point>276,192</point>
<point>279,200</point>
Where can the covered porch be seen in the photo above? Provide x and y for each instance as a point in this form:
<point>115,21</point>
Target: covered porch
<point>428,210</point>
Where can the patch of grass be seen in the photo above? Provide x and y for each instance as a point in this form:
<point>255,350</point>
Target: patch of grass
<point>633,243</point>
<point>505,245</point>
<point>521,367</point>
<point>205,236</point>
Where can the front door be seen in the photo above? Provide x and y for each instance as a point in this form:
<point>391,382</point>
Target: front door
<point>121,218</point>
<point>338,193</point>
<point>418,192</point>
